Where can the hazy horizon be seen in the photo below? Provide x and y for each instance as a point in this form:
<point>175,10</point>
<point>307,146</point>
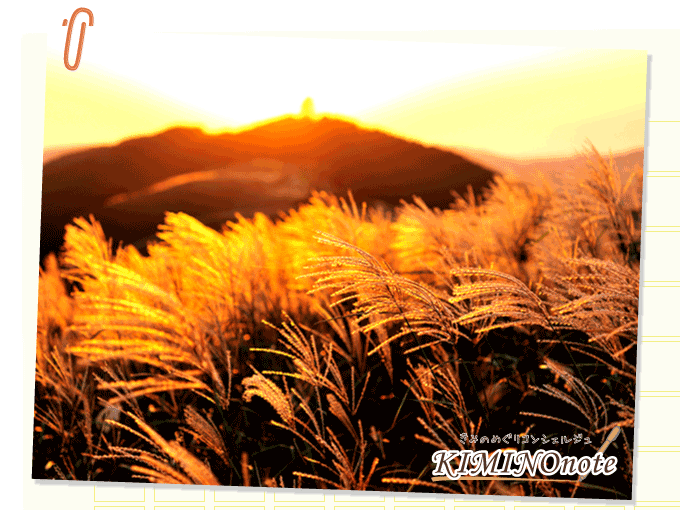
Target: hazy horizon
<point>50,153</point>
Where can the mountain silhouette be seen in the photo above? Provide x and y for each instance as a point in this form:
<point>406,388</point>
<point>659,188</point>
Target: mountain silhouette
<point>268,168</point>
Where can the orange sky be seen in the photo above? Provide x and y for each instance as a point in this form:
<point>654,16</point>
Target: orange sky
<point>512,100</point>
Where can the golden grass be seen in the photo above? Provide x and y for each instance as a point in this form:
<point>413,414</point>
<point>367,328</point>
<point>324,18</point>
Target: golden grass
<point>356,341</point>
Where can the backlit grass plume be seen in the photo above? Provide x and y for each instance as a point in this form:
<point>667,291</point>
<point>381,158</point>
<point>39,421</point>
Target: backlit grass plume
<point>340,345</point>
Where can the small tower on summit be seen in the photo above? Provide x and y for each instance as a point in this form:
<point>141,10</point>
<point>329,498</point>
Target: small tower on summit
<point>307,109</point>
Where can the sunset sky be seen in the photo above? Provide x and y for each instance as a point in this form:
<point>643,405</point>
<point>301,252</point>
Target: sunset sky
<point>512,100</point>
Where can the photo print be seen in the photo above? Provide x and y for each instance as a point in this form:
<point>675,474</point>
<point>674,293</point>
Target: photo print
<point>339,264</point>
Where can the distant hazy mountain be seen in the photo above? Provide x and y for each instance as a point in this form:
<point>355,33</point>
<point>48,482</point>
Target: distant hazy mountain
<point>269,168</point>
<point>555,170</point>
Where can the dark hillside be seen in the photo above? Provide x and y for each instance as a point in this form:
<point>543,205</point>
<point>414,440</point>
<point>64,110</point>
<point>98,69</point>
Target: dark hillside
<point>269,168</point>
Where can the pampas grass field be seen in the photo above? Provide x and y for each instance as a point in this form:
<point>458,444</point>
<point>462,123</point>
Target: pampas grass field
<point>340,346</point>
